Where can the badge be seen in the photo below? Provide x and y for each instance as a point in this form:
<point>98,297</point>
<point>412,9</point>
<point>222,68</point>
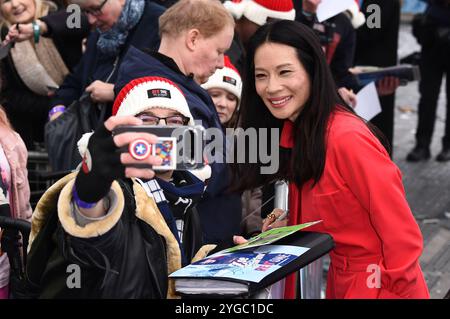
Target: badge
<point>139,149</point>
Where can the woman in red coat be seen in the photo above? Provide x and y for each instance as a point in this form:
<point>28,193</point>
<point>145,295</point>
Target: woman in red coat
<point>337,165</point>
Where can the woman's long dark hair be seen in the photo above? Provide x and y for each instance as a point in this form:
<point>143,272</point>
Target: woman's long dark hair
<point>306,160</point>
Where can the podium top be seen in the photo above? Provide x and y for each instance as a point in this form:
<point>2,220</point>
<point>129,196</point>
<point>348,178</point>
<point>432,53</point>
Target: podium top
<point>211,285</point>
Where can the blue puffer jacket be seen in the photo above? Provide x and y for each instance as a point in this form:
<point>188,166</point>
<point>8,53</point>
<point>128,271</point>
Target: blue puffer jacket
<point>220,213</point>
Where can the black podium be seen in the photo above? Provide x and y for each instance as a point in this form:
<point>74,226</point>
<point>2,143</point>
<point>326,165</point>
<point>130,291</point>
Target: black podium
<point>319,244</point>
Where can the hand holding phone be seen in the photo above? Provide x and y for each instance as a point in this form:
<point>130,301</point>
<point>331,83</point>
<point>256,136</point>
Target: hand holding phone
<point>102,161</point>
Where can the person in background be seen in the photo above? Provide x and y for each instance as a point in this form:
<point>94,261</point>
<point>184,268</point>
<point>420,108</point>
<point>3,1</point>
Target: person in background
<point>378,47</point>
<point>338,39</point>
<point>14,188</point>
<point>434,37</point>
<point>249,16</point>
<point>118,24</point>
<point>225,88</point>
<point>45,50</point>
<point>337,166</point>
<point>252,14</point>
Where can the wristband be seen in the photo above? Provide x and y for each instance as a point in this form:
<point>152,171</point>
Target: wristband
<point>56,109</point>
<point>36,31</point>
<point>79,202</point>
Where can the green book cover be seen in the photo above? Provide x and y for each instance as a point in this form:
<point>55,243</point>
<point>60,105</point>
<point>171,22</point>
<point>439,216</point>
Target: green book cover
<point>270,236</point>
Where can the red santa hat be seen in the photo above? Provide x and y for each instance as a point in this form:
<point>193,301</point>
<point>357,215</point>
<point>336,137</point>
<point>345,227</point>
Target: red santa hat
<point>148,92</point>
<point>258,11</point>
<point>227,78</point>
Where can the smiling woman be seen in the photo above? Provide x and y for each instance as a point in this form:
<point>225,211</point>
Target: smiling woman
<point>19,11</point>
<point>339,171</point>
<point>283,84</point>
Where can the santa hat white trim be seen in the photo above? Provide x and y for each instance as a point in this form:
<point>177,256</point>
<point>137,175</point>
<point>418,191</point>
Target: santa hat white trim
<point>256,12</point>
<point>358,18</point>
<point>83,143</point>
<point>236,8</point>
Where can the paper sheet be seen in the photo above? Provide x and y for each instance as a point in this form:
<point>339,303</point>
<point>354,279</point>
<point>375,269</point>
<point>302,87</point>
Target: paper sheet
<point>330,8</point>
<point>368,103</point>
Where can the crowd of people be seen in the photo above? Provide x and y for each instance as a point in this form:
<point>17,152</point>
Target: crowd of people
<point>259,64</point>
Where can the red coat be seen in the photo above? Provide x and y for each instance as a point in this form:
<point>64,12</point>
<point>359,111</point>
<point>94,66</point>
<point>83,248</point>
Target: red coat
<point>362,203</point>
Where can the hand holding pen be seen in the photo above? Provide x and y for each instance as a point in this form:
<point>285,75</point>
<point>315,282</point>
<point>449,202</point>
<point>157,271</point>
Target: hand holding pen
<point>277,218</point>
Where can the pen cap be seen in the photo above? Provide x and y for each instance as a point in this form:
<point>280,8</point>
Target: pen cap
<point>281,195</point>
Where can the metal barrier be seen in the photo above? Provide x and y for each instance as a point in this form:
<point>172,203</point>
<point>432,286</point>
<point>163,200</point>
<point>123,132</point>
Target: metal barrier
<point>40,175</point>
<point>37,164</point>
<point>310,277</point>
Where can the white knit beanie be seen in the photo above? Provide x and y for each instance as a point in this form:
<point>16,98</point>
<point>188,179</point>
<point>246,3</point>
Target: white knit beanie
<point>148,92</point>
<point>227,78</point>
<point>258,11</point>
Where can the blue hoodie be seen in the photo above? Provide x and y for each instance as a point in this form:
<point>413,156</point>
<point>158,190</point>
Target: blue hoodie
<point>220,213</point>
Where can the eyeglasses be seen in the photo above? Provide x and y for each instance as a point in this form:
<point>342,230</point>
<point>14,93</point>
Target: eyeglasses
<point>96,11</point>
<point>170,120</point>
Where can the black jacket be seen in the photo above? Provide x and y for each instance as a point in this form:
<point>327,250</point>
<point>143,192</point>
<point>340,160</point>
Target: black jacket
<point>378,46</point>
<point>126,255</point>
<point>439,12</point>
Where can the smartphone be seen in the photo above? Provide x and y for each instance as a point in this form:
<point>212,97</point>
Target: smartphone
<point>180,147</point>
